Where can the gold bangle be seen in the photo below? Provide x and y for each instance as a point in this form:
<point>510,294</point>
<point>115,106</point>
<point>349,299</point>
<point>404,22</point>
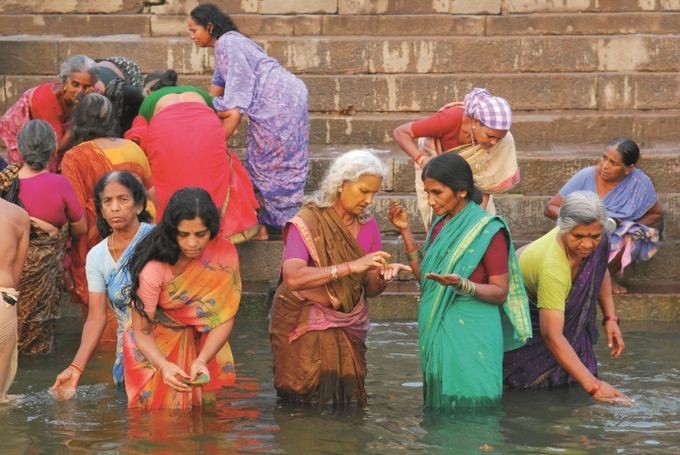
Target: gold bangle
<point>414,255</point>
<point>334,273</point>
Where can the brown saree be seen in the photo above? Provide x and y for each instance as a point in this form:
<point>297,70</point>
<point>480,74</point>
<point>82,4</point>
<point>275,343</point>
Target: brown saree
<point>320,352</point>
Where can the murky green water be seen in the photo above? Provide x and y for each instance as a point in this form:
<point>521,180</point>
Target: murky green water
<point>247,418</point>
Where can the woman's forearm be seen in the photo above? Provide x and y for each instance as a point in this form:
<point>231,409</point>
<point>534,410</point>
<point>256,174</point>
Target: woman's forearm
<point>410,246</point>
<point>216,338</point>
<point>404,138</point>
<point>230,121</point>
<point>145,341</point>
<point>569,360</point>
<point>374,285</point>
<point>298,278</point>
<point>92,332</point>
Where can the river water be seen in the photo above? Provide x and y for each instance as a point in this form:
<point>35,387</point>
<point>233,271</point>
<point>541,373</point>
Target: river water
<point>248,419</point>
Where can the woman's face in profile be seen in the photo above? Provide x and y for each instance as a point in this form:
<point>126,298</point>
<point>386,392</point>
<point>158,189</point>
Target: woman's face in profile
<point>199,34</point>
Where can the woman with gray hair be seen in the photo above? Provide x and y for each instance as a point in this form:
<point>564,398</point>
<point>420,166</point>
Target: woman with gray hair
<point>53,207</point>
<point>53,102</point>
<point>332,261</point>
<point>565,274</point>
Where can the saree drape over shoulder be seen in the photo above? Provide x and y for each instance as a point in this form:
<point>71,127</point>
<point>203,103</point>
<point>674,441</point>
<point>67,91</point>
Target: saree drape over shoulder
<point>320,351</point>
<point>462,338</point>
<point>206,294</point>
<point>533,365</point>
<point>494,170</point>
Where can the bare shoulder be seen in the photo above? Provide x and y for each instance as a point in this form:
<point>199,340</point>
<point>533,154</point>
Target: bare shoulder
<point>13,214</point>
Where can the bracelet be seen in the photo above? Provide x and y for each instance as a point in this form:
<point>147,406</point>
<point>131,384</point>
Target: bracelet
<point>334,273</point>
<point>414,255</point>
<point>419,159</point>
<point>466,287</point>
<point>77,368</point>
<point>594,388</point>
<point>611,318</point>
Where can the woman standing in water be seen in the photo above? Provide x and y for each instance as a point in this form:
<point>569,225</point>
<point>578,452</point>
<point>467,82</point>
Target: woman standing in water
<point>122,220</point>
<point>248,81</point>
<point>472,305</point>
<point>186,289</point>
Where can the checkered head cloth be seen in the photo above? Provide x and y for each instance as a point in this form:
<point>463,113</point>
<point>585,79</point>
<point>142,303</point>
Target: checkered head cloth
<point>493,111</point>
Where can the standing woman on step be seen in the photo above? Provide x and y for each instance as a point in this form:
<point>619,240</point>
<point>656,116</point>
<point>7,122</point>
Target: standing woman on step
<point>248,81</point>
<point>472,306</point>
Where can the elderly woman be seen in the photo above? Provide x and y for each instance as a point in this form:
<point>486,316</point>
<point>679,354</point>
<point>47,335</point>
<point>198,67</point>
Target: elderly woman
<point>478,131</point>
<point>248,81</point>
<point>472,305</point>
<point>54,209</point>
<point>121,81</point>
<point>186,289</point>
<point>176,125</point>
<point>98,152</point>
<point>630,199</point>
<point>332,261</point>
<point>122,221</point>
<point>53,102</point>
<point>565,274</point>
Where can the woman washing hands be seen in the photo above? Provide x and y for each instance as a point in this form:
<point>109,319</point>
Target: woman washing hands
<point>473,305</point>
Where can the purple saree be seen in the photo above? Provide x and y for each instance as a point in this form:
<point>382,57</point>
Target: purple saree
<point>533,365</point>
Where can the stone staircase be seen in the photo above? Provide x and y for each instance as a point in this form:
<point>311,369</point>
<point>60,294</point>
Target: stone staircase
<point>577,73</point>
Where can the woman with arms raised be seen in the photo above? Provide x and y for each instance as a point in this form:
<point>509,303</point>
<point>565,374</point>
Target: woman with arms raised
<point>186,289</point>
<point>630,199</point>
<point>472,305</point>
<point>55,214</point>
<point>123,221</point>
<point>332,261</point>
<point>565,273</point>
<point>248,81</point>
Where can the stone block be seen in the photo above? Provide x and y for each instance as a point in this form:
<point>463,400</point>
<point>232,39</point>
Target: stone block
<point>251,25</point>
<point>582,24</point>
<point>74,25</point>
<point>403,25</point>
<point>638,91</point>
<point>475,6</point>
<point>561,6</point>
<point>393,6</point>
<point>28,55</point>
<point>185,6</point>
<point>319,55</point>
<point>71,6</point>
<point>298,6</point>
<point>15,86</point>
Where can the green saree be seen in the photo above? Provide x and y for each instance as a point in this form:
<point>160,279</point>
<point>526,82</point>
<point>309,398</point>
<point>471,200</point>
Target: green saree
<point>462,339</point>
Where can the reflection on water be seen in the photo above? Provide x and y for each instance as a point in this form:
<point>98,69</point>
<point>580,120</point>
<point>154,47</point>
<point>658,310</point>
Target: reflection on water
<point>246,418</point>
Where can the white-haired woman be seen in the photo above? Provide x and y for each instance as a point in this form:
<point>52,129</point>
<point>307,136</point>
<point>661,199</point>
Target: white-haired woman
<point>332,260</point>
<point>565,274</point>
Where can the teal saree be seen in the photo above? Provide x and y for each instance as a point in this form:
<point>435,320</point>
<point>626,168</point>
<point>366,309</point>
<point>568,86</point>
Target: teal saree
<point>462,339</point>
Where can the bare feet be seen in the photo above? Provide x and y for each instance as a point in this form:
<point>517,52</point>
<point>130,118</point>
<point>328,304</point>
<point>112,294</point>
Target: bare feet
<point>617,289</point>
<point>262,233</point>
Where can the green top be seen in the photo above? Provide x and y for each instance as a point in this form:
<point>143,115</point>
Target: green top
<point>149,103</point>
<point>546,272</point>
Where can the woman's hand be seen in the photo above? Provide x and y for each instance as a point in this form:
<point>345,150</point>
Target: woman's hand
<point>64,386</point>
<point>449,279</point>
<point>198,367</point>
<point>398,216</point>
<point>51,229</point>
<point>375,260</point>
<point>391,271</point>
<point>614,338</point>
<point>170,372</point>
<point>608,394</point>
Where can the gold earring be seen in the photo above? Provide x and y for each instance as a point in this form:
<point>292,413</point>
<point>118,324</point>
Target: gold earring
<point>340,190</point>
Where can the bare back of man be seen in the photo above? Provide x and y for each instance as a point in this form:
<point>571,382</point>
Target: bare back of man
<point>14,229</point>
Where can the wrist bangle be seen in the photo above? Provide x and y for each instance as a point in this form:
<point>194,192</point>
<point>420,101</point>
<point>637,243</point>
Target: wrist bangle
<point>334,273</point>
<point>594,388</point>
<point>77,368</point>
<point>611,318</point>
<point>414,255</point>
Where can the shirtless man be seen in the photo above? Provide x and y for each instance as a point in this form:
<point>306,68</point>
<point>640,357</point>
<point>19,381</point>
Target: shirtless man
<point>15,226</point>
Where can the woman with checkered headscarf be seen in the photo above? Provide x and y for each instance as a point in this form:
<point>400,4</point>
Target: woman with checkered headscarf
<point>477,129</point>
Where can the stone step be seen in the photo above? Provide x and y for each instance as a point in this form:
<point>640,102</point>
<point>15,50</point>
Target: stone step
<point>261,260</point>
<point>425,93</point>
<point>400,302</point>
<point>143,24</point>
<point>559,162</point>
<point>356,55</point>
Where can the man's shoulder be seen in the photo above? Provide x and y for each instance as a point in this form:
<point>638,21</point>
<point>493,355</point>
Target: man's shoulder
<point>13,211</point>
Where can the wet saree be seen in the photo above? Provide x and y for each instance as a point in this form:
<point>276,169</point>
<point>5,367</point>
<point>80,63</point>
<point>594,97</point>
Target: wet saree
<point>494,170</point>
<point>206,294</point>
<point>41,287</point>
<point>118,285</point>
<point>320,352</point>
<point>533,365</point>
<point>462,339</point>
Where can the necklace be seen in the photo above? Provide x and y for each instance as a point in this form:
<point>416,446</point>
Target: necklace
<point>480,164</point>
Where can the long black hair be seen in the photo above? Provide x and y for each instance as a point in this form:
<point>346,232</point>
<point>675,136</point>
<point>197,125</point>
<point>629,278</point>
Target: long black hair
<point>129,181</point>
<point>160,79</point>
<point>161,243</point>
<point>453,171</point>
<point>208,14</point>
